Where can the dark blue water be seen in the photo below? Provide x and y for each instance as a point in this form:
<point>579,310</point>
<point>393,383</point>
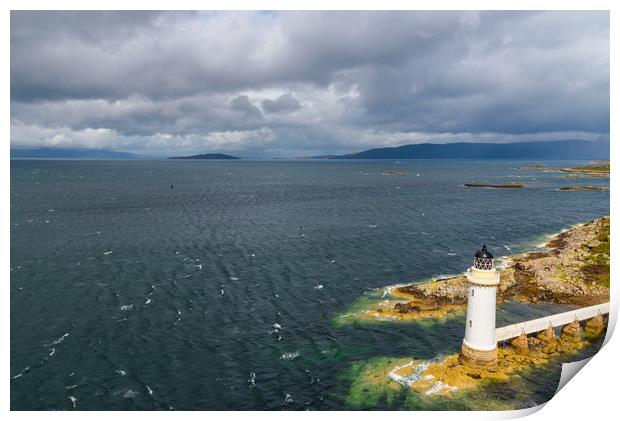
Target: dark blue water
<point>129,294</point>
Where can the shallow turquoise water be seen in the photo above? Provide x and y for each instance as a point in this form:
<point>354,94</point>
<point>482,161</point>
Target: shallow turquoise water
<point>129,294</point>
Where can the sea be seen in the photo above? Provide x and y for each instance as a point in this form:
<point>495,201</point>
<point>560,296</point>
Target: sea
<point>215,285</point>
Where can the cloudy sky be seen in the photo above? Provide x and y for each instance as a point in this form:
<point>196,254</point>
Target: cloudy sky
<point>272,84</point>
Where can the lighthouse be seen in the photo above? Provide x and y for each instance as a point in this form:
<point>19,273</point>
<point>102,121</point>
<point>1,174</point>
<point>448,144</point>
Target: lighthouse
<point>479,348</point>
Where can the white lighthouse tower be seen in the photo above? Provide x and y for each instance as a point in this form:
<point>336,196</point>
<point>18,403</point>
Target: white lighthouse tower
<point>479,347</point>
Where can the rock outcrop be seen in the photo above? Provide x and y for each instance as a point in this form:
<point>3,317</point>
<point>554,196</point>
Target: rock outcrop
<point>574,270</point>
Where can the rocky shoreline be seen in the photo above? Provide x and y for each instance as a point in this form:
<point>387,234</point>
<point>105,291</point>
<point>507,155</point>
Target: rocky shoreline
<point>448,375</point>
<point>596,169</point>
<point>432,382</point>
<point>574,270</point>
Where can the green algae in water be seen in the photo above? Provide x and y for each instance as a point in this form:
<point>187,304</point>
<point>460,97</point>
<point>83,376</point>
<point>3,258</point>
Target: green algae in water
<point>321,355</point>
<point>363,303</point>
<point>371,388</point>
<point>370,300</point>
<point>370,385</point>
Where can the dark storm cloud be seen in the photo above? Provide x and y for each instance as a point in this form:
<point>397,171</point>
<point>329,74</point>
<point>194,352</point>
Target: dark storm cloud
<point>194,81</point>
<point>180,54</point>
<point>538,72</point>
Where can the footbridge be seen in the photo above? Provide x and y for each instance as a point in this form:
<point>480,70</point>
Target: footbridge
<point>561,319</point>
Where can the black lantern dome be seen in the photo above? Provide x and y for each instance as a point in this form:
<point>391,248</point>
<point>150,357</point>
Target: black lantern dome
<point>483,259</point>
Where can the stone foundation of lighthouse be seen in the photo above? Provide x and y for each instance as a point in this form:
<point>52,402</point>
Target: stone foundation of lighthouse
<point>479,348</point>
<point>477,358</point>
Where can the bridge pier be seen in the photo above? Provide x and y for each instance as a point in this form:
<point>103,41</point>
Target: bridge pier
<point>572,331</point>
<point>520,344</point>
<point>547,336</point>
<point>544,337</point>
<point>595,325</point>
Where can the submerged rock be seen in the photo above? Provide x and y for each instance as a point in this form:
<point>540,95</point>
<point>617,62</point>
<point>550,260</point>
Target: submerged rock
<point>573,188</point>
<point>495,186</point>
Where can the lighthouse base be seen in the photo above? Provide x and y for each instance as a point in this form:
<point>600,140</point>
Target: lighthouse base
<point>476,358</point>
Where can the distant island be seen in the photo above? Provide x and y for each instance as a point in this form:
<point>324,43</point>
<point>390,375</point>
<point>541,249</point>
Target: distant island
<point>597,169</point>
<point>562,149</point>
<point>576,188</point>
<point>494,186</point>
<point>206,156</point>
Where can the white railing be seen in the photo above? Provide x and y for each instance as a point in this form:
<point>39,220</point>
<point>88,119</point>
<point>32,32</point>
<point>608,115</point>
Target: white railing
<point>560,319</point>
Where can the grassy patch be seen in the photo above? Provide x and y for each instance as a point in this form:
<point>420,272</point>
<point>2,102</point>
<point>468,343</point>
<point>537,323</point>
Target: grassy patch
<point>596,268</point>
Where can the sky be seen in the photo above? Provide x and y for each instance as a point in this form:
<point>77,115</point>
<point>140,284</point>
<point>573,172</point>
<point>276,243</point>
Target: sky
<point>287,84</point>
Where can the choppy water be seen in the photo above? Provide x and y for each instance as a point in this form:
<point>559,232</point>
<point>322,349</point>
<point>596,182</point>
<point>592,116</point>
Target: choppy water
<point>220,293</point>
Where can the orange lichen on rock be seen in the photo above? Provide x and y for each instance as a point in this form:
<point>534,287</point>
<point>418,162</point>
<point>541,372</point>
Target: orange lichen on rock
<point>449,375</point>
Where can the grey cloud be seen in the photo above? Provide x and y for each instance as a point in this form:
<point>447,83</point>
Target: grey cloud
<point>496,78</point>
<point>242,103</point>
<point>122,78</point>
<point>86,54</point>
<point>285,103</point>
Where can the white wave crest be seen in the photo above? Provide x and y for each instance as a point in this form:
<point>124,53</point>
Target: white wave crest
<point>58,341</point>
<point>290,355</point>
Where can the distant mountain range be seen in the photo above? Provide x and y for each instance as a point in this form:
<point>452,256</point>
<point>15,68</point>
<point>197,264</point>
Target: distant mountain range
<point>71,153</point>
<point>206,156</point>
<point>78,153</point>
<point>562,149</point>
